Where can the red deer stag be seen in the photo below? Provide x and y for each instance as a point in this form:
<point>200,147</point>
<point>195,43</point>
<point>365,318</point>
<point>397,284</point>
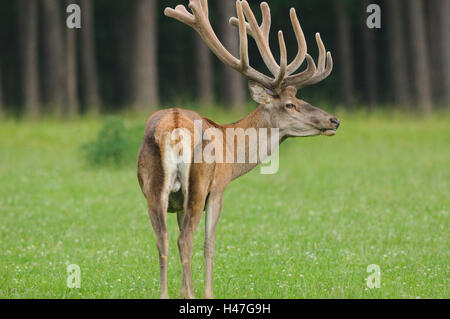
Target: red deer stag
<point>187,187</point>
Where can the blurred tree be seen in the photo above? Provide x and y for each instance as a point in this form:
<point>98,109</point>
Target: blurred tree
<point>434,30</point>
<point>89,82</point>
<point>397,63</point>
<point>203,69</point>
<point>53,55</point>
<point>370,61</point>
<point>145,70</point>
<point>28,27</point>
<point>121,28</point>
<point>115,63</point>
<point>444,13</point>
<point>232,83</point>
<point>345,55</point>
<point>71,65</point>
<point>419,55</point>
<point>439,44</point>
<point>2,107</point>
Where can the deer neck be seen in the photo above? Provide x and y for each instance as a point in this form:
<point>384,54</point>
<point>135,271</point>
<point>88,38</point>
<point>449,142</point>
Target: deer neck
<point>260,122</point>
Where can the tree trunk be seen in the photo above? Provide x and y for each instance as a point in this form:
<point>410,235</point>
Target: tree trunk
<point>434,36</point>
<point>445,40</point>
<point>345,56</point>
<point>145,72</point>
<point>439,43</point>
<point>2,107</point>
<point>122,27</point>
<point>54,55</point>
<point>419,55</point>
<point>89,80</point>
<point>28,26</point>
<point>203,69</point>
<point>71,65</point>
<point>397,54</point>
<point>232,83</point>
<point>370,61</point>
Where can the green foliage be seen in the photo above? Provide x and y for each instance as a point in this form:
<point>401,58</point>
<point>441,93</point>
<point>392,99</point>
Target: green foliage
<point>115,144</point>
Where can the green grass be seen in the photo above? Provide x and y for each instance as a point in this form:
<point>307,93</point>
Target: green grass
<point>376,193</point>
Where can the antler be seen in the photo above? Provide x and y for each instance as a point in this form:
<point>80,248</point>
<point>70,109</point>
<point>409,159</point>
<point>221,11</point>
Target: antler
<point>199,21</point>
<point>260,34</point>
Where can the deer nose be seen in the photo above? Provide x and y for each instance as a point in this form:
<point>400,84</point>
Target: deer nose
<point>334,121</point>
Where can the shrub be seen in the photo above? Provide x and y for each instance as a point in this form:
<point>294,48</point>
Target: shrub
<point>115,144</point>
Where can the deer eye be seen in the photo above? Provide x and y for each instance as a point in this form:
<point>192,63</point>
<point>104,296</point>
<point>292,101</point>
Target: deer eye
<point>290,106</point>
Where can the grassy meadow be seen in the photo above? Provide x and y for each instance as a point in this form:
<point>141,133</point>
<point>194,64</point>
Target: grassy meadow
<point>376,193</point>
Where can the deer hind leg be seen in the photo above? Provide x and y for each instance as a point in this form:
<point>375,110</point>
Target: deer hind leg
<point>213,209</point>
<point>158,215</point>
<point>191,220</point>
<point>195,197</point>
<point>180,219</point>
<point>156,190</point>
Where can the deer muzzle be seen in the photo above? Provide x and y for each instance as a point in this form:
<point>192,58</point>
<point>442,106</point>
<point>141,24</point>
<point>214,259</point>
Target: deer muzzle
<point>334,125</point>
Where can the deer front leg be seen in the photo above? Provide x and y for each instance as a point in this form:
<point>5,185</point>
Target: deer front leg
<point>180,218</point>
<point>213,209</point>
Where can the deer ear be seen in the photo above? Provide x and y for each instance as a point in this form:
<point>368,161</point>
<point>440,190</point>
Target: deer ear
<point>259,93</point>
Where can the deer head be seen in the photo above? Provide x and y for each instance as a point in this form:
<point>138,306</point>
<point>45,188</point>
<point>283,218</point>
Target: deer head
<point>276,93</point>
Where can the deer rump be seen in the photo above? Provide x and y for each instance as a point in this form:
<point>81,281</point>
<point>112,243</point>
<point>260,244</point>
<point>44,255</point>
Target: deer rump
<point>164,169</point>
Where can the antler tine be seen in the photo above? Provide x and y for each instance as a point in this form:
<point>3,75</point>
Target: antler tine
<point>197,9</point>
<point>300,78</point>
<point>235,22</point>
<point>322,72</point>
<point>266,19</point>
<point>261,36</point>
<point>265,25</point>
<point>181,14</point>
<point>320,75</point>
<point>322,53</point>
<point>283,60</point>
<point>301,42</point>
<point>204,5</point>
<point>243,37</point>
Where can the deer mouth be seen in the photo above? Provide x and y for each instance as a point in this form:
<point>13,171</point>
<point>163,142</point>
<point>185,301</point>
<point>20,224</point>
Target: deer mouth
<point>327,132</point>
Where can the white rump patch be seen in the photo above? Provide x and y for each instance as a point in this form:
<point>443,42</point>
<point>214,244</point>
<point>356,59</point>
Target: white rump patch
<point>176,160</point>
